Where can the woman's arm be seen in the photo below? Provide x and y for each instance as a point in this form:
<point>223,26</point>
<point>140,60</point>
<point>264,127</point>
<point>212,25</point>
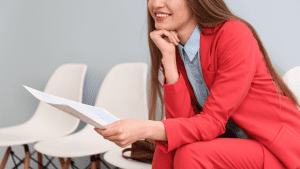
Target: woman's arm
<point>177,98</point>
<point>155,130</point>
<point>170,69</point>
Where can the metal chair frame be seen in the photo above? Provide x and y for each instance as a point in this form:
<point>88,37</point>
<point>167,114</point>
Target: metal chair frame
<point>95,159</point>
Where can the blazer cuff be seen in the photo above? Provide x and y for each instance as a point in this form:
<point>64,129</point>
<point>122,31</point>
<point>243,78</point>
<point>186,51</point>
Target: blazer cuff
<point>176,87</point>
<point>167,146</point>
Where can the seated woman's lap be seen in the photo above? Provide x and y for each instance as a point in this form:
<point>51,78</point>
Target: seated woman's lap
<point>220,153</point>
<point>163,160</point>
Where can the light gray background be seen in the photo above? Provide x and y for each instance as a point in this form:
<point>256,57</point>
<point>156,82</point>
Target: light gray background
<point>36,37</point>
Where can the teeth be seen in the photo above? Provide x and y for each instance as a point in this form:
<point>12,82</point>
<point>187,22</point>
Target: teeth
<point>162,15</point>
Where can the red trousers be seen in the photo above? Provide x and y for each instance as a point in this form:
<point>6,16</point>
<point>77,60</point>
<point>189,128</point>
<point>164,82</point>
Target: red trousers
<point>221,153</point>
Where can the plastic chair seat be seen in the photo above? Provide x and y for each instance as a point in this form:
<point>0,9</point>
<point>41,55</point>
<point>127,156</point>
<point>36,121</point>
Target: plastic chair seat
<point>76,145</point>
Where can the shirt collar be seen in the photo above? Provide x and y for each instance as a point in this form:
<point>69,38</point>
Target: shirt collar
<point>192,46</point>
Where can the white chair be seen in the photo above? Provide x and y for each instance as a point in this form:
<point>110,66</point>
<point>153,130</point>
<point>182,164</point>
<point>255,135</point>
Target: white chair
<point>47,121</point>
<point>292,79</point>
<point>122,93</point>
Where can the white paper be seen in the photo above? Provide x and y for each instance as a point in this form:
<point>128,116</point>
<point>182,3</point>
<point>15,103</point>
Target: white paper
<point>97,117</point>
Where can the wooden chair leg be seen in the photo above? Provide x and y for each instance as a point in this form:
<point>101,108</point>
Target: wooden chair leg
<point>98,162</point>
<point>5,157</point>
<point>62,162</point>
<point>93,162</point>
<point>66,166</point>
<point>40,160</point>
<point>27,157</point>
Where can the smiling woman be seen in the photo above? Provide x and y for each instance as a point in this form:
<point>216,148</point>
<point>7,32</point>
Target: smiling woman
<point>175,17</point>
<point>210,78</point>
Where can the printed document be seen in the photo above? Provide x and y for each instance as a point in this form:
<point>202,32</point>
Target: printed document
<point>97,117</point>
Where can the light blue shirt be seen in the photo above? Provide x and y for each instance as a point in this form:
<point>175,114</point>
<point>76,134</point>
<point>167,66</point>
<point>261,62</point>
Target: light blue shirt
<point>193,66</point>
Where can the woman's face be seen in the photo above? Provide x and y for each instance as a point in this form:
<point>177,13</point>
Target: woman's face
<point>179,14</point>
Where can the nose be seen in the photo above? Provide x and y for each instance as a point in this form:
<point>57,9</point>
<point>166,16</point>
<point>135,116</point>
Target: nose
<point>158,4</point>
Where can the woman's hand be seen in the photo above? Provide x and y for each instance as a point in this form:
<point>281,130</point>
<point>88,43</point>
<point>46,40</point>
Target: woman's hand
<point>165,41</point>
<point>123,132</point>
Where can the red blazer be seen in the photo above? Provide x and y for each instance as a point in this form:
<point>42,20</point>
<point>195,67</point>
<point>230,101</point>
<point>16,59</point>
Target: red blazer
<point>241,88</point>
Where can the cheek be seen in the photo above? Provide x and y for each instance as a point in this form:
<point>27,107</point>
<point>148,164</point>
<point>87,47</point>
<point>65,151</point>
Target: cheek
<point>179,12</point>
<point>149,9</point>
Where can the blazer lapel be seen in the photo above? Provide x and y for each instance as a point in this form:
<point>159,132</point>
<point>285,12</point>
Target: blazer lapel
<point>205,54</point>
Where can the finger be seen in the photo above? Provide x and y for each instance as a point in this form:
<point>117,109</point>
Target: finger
<point>115,138</point>
<point>174,39</point>
<point>176,36</point>
<point>110,125</point>
<point>109,132</point>
<point>98,130</point>
<point>166,34</point>
<point>172,36</point>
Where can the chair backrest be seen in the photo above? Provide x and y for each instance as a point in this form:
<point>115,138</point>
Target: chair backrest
<point>292,79</point>
<point>123,92</point>
<point>66,82</point>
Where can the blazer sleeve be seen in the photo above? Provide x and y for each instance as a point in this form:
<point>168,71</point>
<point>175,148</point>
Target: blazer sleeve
<point>238,55</point>
<point>177,102</point>
<point>177,99</point>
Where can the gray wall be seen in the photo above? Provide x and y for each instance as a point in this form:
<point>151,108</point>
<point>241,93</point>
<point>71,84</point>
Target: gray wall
<point>36,37</point>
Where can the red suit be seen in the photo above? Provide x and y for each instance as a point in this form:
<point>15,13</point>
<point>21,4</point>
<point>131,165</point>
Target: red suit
<point>241,88</point>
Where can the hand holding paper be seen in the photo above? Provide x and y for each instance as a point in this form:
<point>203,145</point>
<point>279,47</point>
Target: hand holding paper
<point>124,132</point>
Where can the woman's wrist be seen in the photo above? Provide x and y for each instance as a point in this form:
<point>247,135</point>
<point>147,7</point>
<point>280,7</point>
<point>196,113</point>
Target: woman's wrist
<point>169,59</point>
<point>171,72</point>
<point>155,130</point>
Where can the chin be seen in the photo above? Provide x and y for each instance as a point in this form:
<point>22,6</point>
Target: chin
<point>164,28</point>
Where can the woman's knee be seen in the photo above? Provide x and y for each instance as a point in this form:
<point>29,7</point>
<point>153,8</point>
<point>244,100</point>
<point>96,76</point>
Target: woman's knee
<point>199,148</point>
<point>163,160</point>
<point>184,151</point>
<point>192,155</point>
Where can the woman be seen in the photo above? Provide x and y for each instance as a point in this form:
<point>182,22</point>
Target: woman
<point>237,80</point>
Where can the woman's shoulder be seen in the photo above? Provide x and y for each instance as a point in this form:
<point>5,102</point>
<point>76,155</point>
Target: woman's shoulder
<point>234,30</point>
<point>235,27</point>
<point>231,26</point>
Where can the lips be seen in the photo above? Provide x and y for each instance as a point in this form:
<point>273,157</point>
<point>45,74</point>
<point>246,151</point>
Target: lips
<point>160,18</point>
<point>159,12</point>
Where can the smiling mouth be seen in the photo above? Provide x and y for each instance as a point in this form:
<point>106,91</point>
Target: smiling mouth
<point>162,17</point>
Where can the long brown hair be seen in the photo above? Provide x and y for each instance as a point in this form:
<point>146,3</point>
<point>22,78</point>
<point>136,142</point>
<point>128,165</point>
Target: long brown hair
<point>207,13</point>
